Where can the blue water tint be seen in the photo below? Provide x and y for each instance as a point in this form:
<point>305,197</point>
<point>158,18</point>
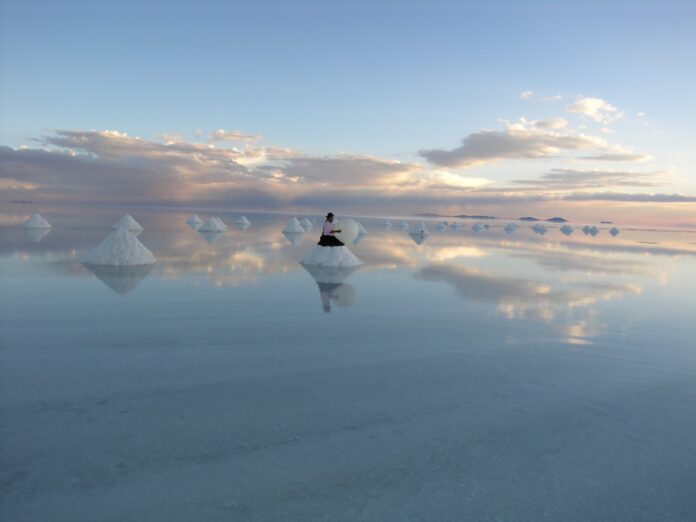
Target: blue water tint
<point>474,376</point>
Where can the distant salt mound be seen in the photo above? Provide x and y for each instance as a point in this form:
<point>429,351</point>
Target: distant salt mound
<point>456,225</point>
<point>37,234</point>
<point>511,227</point>
<point>418,239</point>
<point>419,230</point>
<point>404,226</point>
<point>590,231</point>
<point>220,222</point>
<point>478,227</point>
<point>212,225</point>
<point>210,237</point>
<point>293,237</point>
<point>293,227</point>
<point>567,230</point>
<point>306,224</point>
<point>442,225</point>
<point>614,231</point>
<point>120,248</point>
<point>128,223</point>
<point>194,222</point>
<point>339,256</point>
<point>539,229</point>
<point>36,221</point>
<point>386,223</point>
<point>242,221</point>
<point>361,229</point>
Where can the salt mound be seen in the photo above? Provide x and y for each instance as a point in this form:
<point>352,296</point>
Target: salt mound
<point>442,225</point>
<point>128,223</point>
<point>220,222</point>
<point>213,225</point>
<point>339,256</point>
<point>361,229</point>
<point>120,248</point>
<point>293,227</point>
<point>210,237</point>
<point>121,279</point>
<point>419,230</point>
<point>386,223</point>
<point>566,230</point>
<point>539,229</point>
<point>37,234</point>
<point>591,231</point>
<point>456,225</point>
<point>511,227</point>
<point>242,221</point>
<point>403,225</point>
<point>477,227</point>
<point>194,221</point>
<point>418,239</point>
<point>36,221</point>
<point>614,231</point>
<point>293,237</point>
<point>306,224</point>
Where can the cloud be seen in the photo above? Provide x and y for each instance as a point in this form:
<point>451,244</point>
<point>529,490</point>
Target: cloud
<point>516,142</point>
<point>596,109</point>
<point>526,95</point>
<point>554,123</point>
<point>638,198</point>
<point>618,154</point>
<point>222,135</point>
<point>595,178</point>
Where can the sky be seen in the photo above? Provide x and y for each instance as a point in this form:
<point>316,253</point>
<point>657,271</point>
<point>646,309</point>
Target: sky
<point>579,109</point>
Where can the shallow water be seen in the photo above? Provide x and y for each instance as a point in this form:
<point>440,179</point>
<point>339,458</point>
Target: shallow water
<point>474,376</point>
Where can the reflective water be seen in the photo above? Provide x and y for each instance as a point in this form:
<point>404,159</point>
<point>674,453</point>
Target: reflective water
<point>463,375</point>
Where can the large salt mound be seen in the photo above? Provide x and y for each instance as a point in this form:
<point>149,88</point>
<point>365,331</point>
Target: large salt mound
<point>293,227</point>
<point>120,248</point>
<point>36,221</point>
<point>339,256</point>
<point>37,234</point>
<point>127,222</point>
<point>212,225</point>
<point>194,221</point>
<point>243,221</point>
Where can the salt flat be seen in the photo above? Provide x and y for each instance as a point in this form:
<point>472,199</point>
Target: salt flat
<point>474,376</point>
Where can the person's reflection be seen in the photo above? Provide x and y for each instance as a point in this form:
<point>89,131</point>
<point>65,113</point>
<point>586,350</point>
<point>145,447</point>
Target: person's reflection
<point>333,289</point>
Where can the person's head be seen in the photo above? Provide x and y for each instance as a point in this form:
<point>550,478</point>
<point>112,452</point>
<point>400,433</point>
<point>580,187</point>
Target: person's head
<point>329,217</point>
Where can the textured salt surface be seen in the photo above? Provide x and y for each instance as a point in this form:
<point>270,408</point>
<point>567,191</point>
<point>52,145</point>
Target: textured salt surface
<point>120,248</point>
<point>293,227</point>
<point>212,225</point>
<point>128,223</point>
<point>36,221</point>
<point>331,257</point>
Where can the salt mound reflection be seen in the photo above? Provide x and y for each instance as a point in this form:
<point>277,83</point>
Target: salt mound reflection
<point>121,279</point>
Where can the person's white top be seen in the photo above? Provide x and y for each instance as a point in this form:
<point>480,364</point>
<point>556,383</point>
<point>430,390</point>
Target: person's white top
<point>328,228</point>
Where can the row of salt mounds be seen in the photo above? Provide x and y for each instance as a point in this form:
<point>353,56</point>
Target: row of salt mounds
<point>194,221</point>
<point>293,227</point>
<point>120,248</point>
<point>213,225</point>
<point>36,221</point>
<point>338,256</point>
<point>128,223</point>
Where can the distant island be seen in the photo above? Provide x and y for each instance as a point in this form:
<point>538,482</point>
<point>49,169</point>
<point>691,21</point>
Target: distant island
<point>550,220</point>
<point>606,222</point>
<point>22,201</point>
<point>461,216</point>
<point>464,216</point>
